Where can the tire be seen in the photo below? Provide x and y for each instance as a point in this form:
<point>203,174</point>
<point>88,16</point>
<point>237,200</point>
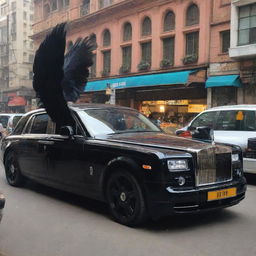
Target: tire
<point>125,199</point>
<point>12,171</point>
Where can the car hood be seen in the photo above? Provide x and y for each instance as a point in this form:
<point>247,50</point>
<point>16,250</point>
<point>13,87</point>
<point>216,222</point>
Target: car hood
<point>160,140</point>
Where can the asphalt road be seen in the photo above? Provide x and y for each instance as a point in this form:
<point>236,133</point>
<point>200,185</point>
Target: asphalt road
<point>39,221</point>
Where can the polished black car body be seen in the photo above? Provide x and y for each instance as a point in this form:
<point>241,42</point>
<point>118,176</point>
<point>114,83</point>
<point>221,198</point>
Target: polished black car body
<point>2,203</point>
<point>139,171</point>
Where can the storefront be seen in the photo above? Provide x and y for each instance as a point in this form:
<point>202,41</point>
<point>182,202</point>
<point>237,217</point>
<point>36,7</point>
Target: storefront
<point>173,98</point>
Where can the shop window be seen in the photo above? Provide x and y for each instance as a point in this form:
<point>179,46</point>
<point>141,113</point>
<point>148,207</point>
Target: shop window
<point>127,34</point>
<point>106,63</point>
<point>146,27</point>
<point>93,67</point>
<point>169,21</point>
<point>225,41</point>
<point>192,17</point>
<point>31,58</point>
<point>69,45</point>
<point>127,59</point>
<point>224,96</point>
<point>247,25</point>
<point>106,38</point>
<point>168,50</point>
<point>104,3</point>
<point>192,45</point>
<point>146,52</point>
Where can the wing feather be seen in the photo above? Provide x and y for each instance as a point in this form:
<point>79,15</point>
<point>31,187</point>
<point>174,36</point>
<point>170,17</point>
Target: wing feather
<point>48,75</point>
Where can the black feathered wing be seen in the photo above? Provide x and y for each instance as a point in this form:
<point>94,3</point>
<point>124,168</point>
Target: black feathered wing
<point>76,69</point>
<point>48,75</point>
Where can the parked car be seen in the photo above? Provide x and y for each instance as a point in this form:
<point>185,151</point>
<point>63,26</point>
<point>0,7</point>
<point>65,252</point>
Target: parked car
<point>117,155</point>
<point>231,124</point>
<point>2,203</point>
<point>8,122</point>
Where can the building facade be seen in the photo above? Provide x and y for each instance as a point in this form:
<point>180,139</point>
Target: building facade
<point>171,58</point>
<point>17,54</point>
<point>232,53</point>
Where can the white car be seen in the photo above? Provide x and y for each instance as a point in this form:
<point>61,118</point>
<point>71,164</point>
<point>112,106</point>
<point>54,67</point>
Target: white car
<point>231,124</point>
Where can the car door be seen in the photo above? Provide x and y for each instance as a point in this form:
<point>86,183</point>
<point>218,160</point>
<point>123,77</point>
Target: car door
<point>66,161</point>
<point>31,148</point>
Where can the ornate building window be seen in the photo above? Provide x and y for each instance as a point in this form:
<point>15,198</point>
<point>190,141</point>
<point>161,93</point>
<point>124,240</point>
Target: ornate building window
<point>85,7</point>
<point>93,67</point>
<point>54,5</point>
<point>104,3</point>
<point>106,63</point>
<point>146,27</point>
<point>47,10</point>
<point>146,52</point>
<point>93,41</point>
<point>127,34</point>
<point>192,17</point>
<point>126,60</point>
<point>169,21</point>
<point>247,24</point>
<point>168,52</point>
<point>106,38</point>
<point>192,45</point>
<point>225,41</point>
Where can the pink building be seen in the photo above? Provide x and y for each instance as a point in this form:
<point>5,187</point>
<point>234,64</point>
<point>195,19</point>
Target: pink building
<point>155,54</point>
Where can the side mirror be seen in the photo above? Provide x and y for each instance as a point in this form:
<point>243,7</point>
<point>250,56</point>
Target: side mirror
<point>67,131</point>
<point>203,133</point>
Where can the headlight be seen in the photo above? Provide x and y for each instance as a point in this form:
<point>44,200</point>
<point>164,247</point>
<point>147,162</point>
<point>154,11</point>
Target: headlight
<point>177,165</point>
<point>235,158</point>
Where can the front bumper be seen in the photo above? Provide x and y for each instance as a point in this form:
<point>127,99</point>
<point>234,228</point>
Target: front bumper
<point>194,200</point>
<point>2,203</point>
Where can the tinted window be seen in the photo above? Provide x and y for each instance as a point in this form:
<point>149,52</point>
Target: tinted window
<point>236,120</point>
<point>39,125</point>
<point>19,128</point>
<point>4,120</point>
<point>205,119</point>
<point>15,120</point>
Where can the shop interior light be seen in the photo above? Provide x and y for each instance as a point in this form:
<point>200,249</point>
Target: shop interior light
<point>162,108</point>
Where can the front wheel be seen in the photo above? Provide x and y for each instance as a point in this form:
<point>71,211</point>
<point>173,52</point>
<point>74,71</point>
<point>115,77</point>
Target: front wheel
<point>12,171</point>
<point>125,199</point>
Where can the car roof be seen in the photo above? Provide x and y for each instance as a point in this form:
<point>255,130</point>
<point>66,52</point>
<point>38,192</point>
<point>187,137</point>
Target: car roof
<point>11,114</point>
<point>233,107</point>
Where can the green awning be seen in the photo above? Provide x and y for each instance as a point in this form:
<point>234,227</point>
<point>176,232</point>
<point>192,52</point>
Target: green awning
<point>140,81</point>
<point>220,81</point>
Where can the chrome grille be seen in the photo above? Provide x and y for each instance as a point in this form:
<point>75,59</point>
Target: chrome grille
<point>213,165</point>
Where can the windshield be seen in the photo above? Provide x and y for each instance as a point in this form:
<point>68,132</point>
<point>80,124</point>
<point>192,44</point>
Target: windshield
<point>114,120</point>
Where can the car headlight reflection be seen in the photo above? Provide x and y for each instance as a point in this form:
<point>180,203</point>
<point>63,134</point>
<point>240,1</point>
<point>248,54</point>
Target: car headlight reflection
<point>177,165</point>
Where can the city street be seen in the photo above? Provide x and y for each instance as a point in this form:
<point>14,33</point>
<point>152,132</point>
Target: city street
<point>45,222</point>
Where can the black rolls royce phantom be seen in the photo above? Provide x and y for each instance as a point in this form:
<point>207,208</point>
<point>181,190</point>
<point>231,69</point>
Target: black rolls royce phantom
<point>117,155</point>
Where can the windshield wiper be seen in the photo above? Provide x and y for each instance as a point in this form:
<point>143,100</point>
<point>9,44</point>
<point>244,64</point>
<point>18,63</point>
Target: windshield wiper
<point>131,131</point>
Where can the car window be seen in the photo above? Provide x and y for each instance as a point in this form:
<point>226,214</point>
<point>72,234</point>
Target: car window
<point>205,119</point>
<point>40,123</point>
<point>4,120</point>
<point>236,120</point>
<point>15,120</point>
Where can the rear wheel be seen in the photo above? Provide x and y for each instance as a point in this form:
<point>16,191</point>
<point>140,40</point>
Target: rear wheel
<point>125,199</point>
<point>12,171</point>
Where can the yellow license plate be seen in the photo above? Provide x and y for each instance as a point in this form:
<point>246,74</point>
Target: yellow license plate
<point>221,194</point>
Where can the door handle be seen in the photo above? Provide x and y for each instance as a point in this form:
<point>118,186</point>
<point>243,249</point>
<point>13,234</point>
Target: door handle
<point>46,142</point>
